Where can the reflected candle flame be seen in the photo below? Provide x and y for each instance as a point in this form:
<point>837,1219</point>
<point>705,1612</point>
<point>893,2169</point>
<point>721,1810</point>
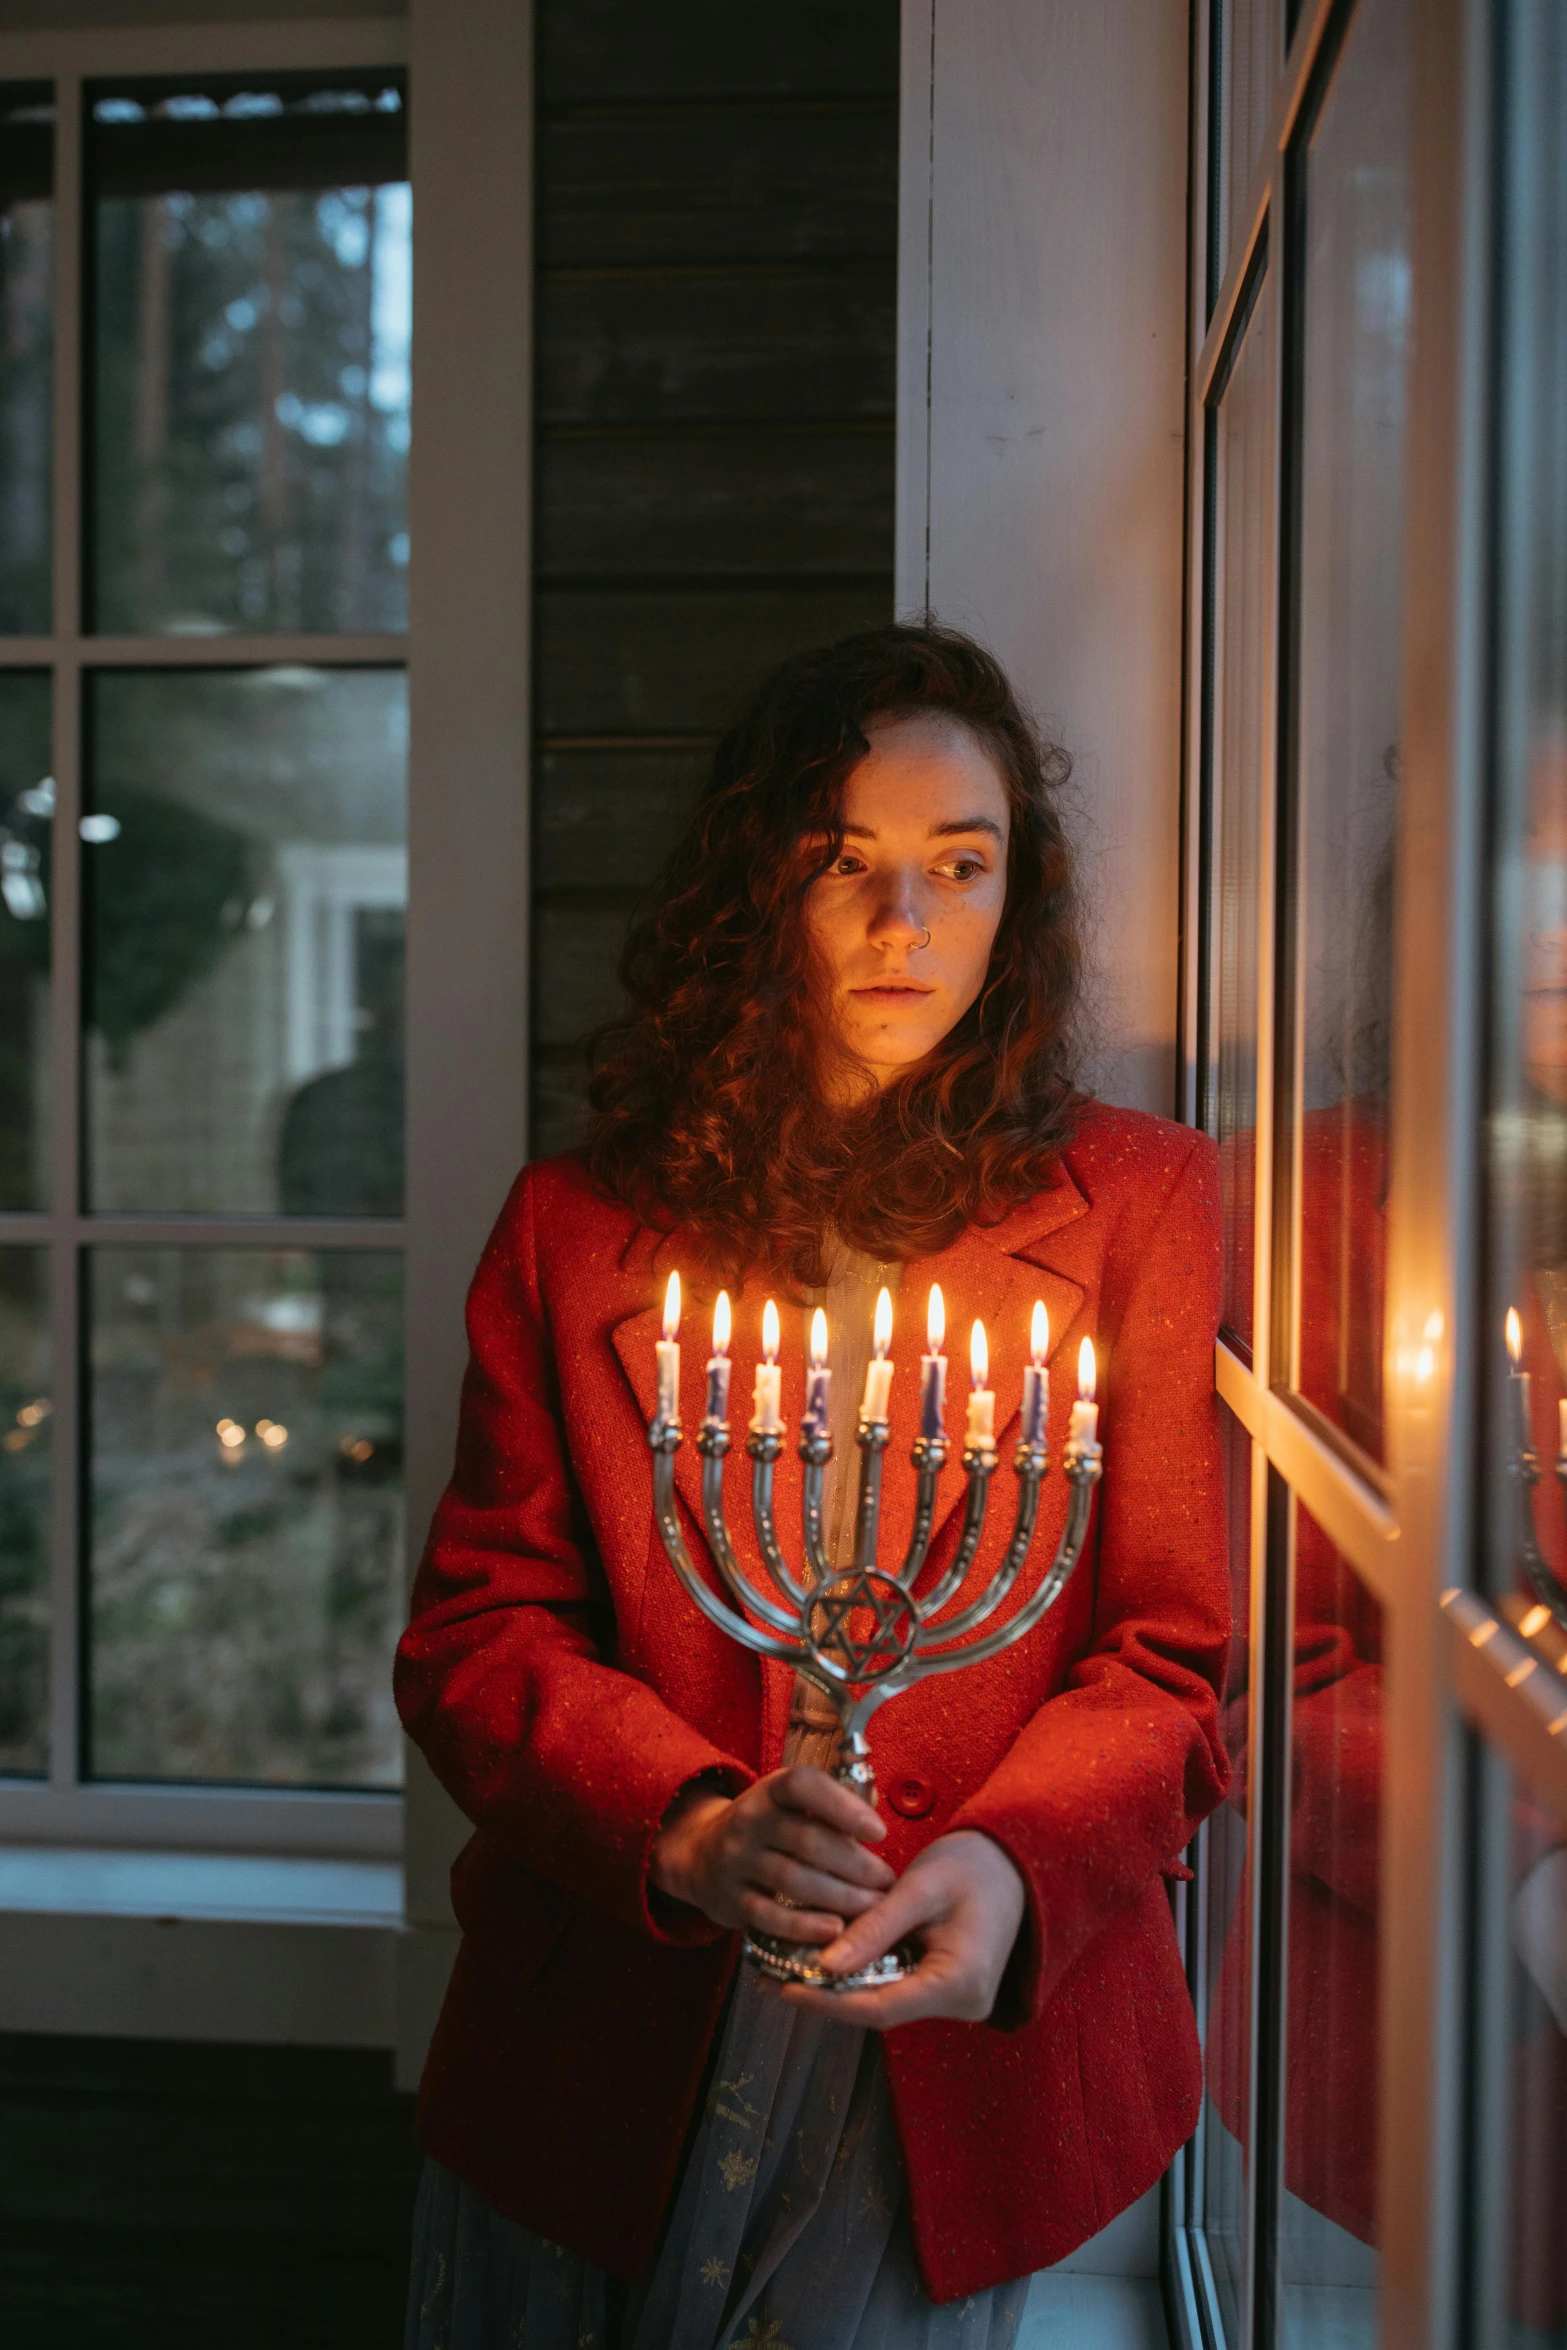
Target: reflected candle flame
<point>1514,1336</point>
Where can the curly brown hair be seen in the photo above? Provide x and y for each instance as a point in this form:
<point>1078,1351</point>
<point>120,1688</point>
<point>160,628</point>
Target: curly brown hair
<point>707,1107</point>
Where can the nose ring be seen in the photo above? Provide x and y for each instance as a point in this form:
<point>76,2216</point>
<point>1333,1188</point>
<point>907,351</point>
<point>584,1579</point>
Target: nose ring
<point>924,942</point>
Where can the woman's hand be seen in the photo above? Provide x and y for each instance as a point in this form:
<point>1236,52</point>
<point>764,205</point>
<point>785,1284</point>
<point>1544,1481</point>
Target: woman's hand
<point>796,1833</point>
<point>962,1901</point>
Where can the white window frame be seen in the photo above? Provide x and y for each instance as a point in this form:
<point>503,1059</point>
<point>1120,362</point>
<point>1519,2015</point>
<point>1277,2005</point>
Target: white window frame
<point>466,652</point>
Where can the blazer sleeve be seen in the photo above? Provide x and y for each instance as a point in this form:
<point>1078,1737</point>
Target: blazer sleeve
<point>501,1678</point>
<point>1108,1782</point>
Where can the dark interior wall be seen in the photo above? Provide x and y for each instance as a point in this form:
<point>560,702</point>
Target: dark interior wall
<point>717,227</point>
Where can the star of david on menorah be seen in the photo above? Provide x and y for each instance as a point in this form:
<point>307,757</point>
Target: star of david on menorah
<point>864,1634</point>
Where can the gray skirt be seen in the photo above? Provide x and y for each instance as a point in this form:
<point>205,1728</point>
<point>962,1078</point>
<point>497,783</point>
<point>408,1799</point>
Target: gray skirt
<point>790,2225</point>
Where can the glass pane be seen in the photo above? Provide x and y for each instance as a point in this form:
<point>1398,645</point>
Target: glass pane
<point>253,255</point>
<point>26,355</point>
<point>26,806</point>
<point>25,1408</point>
<point>1242,479</point>
<point>1356,347</point>
<point>1226,1897</point>
<point>1330,2076</point>
<point>1533,2278</point>
<point>1248,75</point>
<point>1528,1125</point>
<point>245,875</point>
<point>246,1574</point>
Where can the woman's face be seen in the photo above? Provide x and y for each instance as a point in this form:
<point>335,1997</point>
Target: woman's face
<point>904,920</point>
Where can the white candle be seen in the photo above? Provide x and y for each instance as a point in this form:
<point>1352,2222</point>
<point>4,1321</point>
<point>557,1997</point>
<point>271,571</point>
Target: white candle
<point>981,1431</point>
<point>878,1378</point>
<point>933,1368</point>
<point>669,1354</point>
<point>1084,1431</point>
<point>1520,1383</point>
<point>1036,1379</point>
<point>766,1417</point>
<point>718,1363</point>
<point>818,1379</point>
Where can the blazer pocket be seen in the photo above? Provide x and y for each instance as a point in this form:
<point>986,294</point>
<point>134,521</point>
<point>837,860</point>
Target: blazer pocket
<point>511,1916</point>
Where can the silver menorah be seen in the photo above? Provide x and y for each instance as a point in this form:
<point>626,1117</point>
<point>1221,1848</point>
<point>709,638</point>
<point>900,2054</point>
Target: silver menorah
<point>1542,1579</point>
<point>863,1635</point>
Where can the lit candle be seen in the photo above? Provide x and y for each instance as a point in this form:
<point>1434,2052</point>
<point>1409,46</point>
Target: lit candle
<point>1036,1379</point>
<point>1084,1431</point>
<point>669,1354</point>
<point>1520,1382</point>
<point>981,1429</point>
<point>718,1363</point>
<point>878,1378</point>
<point>933,1368</point>
<point>766,1419</point>
<point>818,1379</point>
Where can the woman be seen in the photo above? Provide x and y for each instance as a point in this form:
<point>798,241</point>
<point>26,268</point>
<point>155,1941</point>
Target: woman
<point>847,1062</point>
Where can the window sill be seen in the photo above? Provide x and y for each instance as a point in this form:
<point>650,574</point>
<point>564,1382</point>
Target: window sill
<point>179,1886</point>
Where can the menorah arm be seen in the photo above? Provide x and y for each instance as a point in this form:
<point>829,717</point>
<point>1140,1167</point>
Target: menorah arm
<point>929,1455</point>
<point>1084,1476</point>
<point>742,1590</point>
<point>1542,1578</point>
<point>764,1451</point>
<point>815,1452</point>
<point>980,1469</point>
<point>1007,1573</point>
<point>667,1514</point>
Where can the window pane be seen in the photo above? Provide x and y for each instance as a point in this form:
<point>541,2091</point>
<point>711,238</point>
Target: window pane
<point>26,806</point>
<point>1356,344</point>
<point>26,355</point>
<point>247,1516</point>
<point>1528,1126</point>
<point>1226,1897</point>
<point>253,255</point>
<point>1243,487</point>
<point>24,1511</point>
<point>1533,2279</point>
<point>1248,75</point>
<point>1330,2076</point>
<point>245,878</point>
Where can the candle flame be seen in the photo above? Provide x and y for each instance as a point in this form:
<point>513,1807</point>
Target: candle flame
<point>1039,1334</point>
<point>936,1319</point>
<point>1514,1336</point>
<point>978,1354</point>
<point>672,1307</point>
<point>770,1332</point>
<point>1086,1370</point>
<point>721,1321</point>
<point>818,1340</point>
<point>881,1328</point>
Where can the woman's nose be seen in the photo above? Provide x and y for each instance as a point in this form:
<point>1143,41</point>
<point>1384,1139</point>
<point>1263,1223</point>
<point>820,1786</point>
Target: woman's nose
<point>897,919</point>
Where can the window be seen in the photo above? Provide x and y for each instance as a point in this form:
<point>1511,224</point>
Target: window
<point>203,877</point>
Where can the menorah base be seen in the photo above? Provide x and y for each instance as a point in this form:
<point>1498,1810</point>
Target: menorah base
<point>800,1962</point>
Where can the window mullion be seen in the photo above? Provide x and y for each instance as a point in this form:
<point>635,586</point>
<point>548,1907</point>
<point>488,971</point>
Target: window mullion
<point>65,966</point>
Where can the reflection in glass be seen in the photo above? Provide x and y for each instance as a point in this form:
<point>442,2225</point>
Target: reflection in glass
<point>1248,75</point>
<point>1533,2278</point>
<point>252,313</point>
<point>26,806</point>
<point>1242,478</point>
<point>246,1541</point>
<point>1355,360</point>
<point>1226,1895</point>
<point>26,355</point>
<point>25,1410</point>
<point>1528,1126</point>
<point>1328,2253</point>
<point>245,873</point>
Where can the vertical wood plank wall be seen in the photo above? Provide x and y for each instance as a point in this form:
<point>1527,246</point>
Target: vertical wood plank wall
<point>717,250</point>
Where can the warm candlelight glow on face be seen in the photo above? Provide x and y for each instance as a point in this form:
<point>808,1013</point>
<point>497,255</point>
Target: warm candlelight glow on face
<point>721,1324</point>
<point>1514,1334</point>
<point>1039,1334</point>
<point>672,1307</point>
<point>1086,1369</point>
<point>770,1332</point>
<point>935,1319</point>
<point>881,1328</point>
<point>818,1340</point>
<point>978,1354</point>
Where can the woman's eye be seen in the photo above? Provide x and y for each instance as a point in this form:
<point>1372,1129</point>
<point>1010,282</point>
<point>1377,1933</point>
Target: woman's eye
<point>848,864</point>
<point>964,868</point>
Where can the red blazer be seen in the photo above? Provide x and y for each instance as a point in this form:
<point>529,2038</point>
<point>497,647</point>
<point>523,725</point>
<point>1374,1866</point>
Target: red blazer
<point>564,1689</point>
